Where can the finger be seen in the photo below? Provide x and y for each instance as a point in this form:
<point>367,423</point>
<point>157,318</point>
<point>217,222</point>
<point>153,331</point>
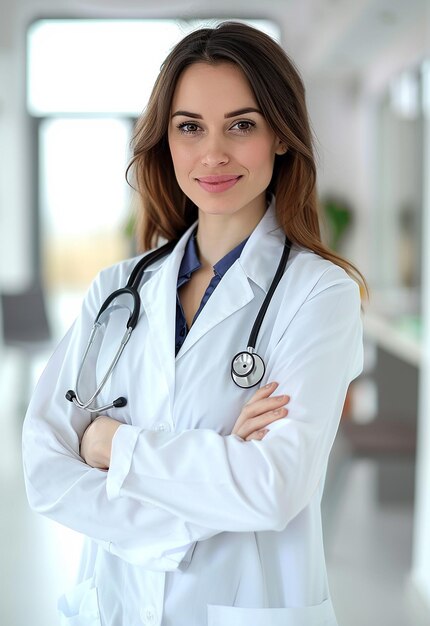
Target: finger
<point>263,405</point>
<point>261,421</point>
<point>264,391</point>
<point>258,408</point>
<point>257,435</point>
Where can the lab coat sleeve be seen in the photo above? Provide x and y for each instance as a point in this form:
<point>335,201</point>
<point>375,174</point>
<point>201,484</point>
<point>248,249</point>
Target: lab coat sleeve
<point>62,487</point>
<point>228,484</point>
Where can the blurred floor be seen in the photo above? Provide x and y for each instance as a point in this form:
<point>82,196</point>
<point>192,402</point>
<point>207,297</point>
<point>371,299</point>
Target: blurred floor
<point>369,555</point>
<point>368,548</point>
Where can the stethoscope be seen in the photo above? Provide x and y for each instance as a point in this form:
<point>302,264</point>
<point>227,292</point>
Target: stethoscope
<point>247,367</point>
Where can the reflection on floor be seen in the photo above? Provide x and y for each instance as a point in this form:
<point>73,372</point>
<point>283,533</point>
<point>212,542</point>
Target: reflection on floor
<point>369,555</point>
<point>367,548</point>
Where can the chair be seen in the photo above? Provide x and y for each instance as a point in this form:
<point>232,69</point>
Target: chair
<point>380,438</point>
<point>26,328</point>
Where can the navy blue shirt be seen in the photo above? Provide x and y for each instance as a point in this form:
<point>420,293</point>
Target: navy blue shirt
<point>190,263</point>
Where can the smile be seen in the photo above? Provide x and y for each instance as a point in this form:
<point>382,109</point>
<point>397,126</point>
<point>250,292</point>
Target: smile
<point>216,184</point>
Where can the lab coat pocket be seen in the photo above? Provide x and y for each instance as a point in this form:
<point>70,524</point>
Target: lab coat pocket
<point>316,615</point>
<point>80,607</point>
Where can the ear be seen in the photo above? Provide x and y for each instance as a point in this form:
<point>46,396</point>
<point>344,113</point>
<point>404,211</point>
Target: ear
<point>281,148</point>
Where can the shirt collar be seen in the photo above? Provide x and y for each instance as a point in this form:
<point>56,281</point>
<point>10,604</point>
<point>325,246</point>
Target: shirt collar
<point>264,247</point>
<point>190,261</point>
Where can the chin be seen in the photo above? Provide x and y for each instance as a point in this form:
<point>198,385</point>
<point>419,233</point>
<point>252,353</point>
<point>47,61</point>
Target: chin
<point>229,203</point>
<point>217,210</point>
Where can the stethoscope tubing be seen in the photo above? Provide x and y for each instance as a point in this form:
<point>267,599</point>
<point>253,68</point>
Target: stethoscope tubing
<point>77,400</point>
<point>252,364</point>
<point>131,288</point>
<point>276,279</point>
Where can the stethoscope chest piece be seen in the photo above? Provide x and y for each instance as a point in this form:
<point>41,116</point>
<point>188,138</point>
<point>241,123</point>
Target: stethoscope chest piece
<point>247,369</point>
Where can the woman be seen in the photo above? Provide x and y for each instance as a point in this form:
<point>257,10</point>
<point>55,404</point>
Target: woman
<point>199,497</point>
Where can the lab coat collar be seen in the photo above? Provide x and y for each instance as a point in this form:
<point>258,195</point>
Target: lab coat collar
<point>158,298</point>
<point>259,255</point>
<point>258,262</point>
<point>262,252</point>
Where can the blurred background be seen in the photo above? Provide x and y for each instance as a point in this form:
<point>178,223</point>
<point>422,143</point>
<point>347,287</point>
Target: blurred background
<point>74,76</point>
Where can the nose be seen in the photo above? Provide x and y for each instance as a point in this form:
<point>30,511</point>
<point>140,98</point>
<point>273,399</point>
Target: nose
<point>214,153</point>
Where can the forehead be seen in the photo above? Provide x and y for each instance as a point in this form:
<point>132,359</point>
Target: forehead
<point>221,87</point>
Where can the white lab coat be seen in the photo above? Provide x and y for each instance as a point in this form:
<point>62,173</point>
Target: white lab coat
<point>193,526</point>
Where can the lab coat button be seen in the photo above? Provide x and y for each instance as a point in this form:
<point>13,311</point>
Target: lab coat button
<point>163,426</point>
<point>148,615</point>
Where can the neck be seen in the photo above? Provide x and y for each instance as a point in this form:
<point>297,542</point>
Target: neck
<point>218,234</point>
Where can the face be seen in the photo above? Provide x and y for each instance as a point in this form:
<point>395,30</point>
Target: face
<point>222,148</point>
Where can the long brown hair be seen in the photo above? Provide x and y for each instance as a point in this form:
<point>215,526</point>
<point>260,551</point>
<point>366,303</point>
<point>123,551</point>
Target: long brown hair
<point>166,211</point>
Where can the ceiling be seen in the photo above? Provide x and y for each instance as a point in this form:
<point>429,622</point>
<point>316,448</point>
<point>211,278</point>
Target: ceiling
<point>324,37</point>
<point>345,36</point>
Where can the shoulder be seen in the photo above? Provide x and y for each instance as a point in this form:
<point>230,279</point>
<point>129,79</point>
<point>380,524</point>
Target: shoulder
<point>312,278</point>
<point>318,299</point>
<point>315,273</point>
<point>115,277</point>
<point>121,271</point>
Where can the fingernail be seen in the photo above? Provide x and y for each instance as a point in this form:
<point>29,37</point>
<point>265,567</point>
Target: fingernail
<point>270,385</point>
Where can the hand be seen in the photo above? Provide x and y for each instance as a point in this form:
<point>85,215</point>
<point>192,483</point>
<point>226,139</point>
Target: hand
<point>96,443</point>
<point>259,412</point>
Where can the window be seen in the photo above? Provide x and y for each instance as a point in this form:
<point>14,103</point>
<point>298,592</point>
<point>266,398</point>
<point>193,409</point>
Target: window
<point>102,66</point>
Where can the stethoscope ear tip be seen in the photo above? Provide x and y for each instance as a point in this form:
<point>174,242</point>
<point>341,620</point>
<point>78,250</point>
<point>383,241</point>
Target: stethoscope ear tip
<point>119,402</point>
<point>70,395</point>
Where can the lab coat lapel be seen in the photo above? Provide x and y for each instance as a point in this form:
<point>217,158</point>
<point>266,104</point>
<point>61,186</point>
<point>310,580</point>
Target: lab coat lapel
<point>158,296</point>
<point>233,292</point>
<point>258,262</point>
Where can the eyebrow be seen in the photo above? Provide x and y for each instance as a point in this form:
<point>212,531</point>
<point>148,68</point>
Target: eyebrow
<point>197,116</point>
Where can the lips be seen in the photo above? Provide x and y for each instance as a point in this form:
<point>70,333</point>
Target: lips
<point>218,184</point>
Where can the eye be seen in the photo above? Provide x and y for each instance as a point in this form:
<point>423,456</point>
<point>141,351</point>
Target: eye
<point>187,128</point>
<point>246,126</point>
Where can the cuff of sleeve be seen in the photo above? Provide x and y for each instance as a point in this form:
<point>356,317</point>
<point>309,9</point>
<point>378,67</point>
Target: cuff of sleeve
<point>123,445</point>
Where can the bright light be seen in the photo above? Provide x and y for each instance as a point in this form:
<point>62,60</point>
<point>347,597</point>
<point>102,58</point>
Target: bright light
<point>404,94</point>
<point>83,164</point>
<point>95,66</point>
<point>102,66</point>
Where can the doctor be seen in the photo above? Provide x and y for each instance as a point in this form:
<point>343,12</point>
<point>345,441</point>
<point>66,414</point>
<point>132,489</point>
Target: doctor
<point>200,498</point>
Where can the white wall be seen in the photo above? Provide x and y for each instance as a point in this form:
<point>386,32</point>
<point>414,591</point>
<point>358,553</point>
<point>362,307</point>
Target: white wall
<point>421,554</point>
<point>340,119</point>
